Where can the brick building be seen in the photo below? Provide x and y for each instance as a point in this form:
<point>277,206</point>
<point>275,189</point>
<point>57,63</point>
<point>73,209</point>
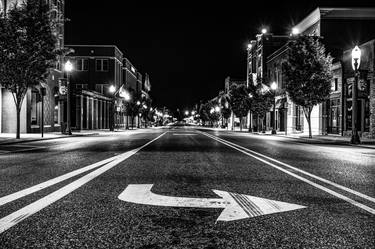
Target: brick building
<point>96,69</point>
<point>31,111</point>
<point>258,70</point>
<point>341,29</point>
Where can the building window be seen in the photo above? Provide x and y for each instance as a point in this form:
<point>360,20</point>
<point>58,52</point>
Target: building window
<point>335,84</point>
<point>100,88</point>
<point>82,64</point>
<point>81,86</point>
<point>102,65</point>
<point>34,107</point>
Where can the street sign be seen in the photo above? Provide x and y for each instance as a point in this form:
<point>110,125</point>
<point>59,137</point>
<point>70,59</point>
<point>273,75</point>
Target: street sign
<point>63,86</point>
<point>236,206</point>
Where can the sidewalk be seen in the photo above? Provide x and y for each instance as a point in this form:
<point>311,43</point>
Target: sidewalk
<point>10,138</point>
<point>316,139</point>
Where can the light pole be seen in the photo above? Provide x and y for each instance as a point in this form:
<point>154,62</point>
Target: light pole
<point>356,61</point>
<point>68,69</point>
<point>274,88</point>
<point>250,124</point>
<point>138,104</point>
<point>126,95</point>
<point>123,94</point>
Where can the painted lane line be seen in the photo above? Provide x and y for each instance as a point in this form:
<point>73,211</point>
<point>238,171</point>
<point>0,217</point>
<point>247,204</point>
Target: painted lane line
<point>25,212</point>
<point>343,197</point>
<point>22,193</point>
<point>354,192</point>
<point>236,206</point>
<point>184,134</point>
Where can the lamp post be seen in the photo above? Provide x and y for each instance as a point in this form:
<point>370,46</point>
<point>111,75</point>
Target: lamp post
<point>68,67</point>
<point>123,94</point>
<point>138,104</point>
<point>112,89</point>
<point>274,88</point>
<point>126,96</point>
<point>356,61</point>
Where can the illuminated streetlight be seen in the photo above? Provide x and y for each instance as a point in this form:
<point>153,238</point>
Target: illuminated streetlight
<point>264,30</point>
<point>295,31</point>
<point>68,67</point>
<point>274,86</point>
<point>249,46</point>
<point>193,113</point>
<point>217,109</point>
<point>112,89</point>
<point>356,61</point>
<point>186,113</point>
<point>138,102</point>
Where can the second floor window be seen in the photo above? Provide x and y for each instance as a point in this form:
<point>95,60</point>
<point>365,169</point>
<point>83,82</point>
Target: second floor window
<point>82,64</point>
<point>102,65</point>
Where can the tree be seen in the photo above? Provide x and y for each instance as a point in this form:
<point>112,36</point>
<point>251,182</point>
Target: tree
<point>224,100</point>
<point>27,49</point>
<point>261,100</point>
<point>239,101</point>
<point>307,73</point>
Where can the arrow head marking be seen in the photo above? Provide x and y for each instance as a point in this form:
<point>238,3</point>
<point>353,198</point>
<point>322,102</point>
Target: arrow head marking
<point>246,206</point>
<point>236,206</point>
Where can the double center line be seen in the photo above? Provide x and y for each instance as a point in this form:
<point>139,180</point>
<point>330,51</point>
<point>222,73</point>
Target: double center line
<point>288,170</point>
<point>21,214</point>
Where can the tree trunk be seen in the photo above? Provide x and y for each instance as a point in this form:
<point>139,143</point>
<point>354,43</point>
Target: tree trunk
<point>18,121</point>
<point>240,123</point>
<point>307,112</point>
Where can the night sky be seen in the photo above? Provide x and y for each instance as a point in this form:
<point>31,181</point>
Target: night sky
<point>189,47</point>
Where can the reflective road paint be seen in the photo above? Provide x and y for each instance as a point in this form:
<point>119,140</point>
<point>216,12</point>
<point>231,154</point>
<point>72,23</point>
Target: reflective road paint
<point>18,216</point>
<point>236,206</point>
<point>321,187</point>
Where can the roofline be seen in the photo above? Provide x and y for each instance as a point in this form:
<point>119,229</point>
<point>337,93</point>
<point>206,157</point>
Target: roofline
<point>89,45</point>
<point>328,13</point>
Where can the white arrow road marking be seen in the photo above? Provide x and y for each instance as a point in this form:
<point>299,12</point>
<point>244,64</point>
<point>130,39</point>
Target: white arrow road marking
<point>18,216</point>
<point>236,206</point>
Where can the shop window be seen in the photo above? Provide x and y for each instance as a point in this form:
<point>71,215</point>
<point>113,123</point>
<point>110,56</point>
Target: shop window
<point>34,108</point>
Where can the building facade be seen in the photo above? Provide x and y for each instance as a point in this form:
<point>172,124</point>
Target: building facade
<point>31,112</point>
<point>341,30</point>
<point>96,69</point>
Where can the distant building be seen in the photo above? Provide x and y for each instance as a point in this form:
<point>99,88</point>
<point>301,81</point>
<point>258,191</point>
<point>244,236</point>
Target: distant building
<point>31,111</point>
<point>96,69</point>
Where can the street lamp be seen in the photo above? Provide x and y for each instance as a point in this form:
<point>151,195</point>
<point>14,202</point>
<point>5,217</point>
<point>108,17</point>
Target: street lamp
<point>264,30</point>
<point>186,113</point>
<point>217,109</point>
<point>68,67</point>
<point>295,31</point>
<point>356,61</point>
<point>274,88</point>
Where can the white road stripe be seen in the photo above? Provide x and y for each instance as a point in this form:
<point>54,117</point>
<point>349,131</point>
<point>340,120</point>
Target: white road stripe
<point>353,202</point>
<point>9,198</point>
<point>359,194</point>
<point>25,212</point>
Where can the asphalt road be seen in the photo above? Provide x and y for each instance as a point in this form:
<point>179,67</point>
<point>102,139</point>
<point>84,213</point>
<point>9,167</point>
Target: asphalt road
<point>155,189</point>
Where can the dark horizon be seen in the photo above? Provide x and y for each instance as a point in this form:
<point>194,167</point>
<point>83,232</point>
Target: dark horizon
<point>188,50</point>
